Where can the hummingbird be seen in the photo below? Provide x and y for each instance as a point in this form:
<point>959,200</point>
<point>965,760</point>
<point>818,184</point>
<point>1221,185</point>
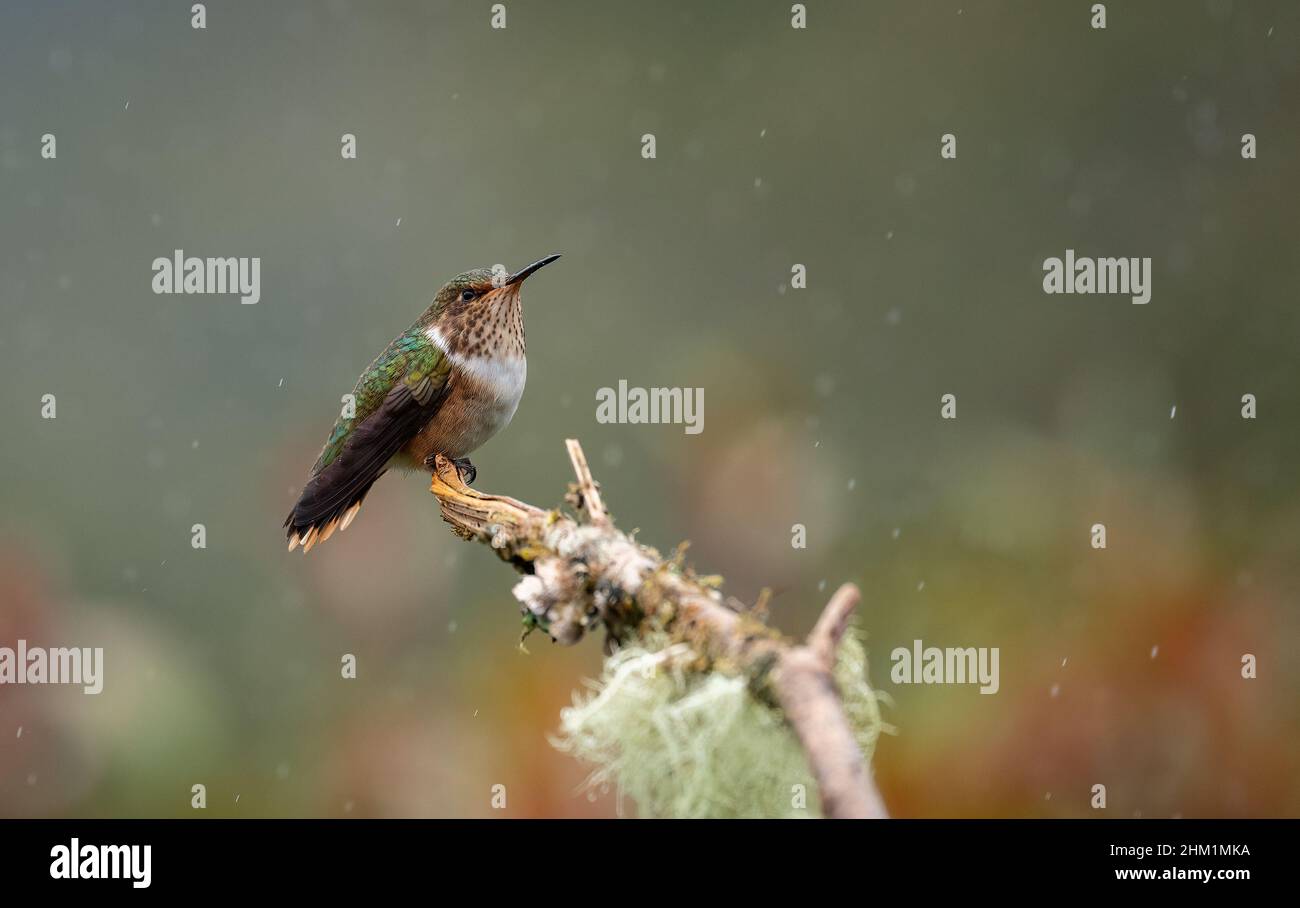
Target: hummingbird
<point>443,386</point>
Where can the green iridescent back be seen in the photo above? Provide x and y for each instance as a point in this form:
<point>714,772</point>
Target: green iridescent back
<point>409,358</point>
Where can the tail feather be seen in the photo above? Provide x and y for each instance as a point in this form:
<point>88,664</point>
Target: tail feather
<point>309,526</point>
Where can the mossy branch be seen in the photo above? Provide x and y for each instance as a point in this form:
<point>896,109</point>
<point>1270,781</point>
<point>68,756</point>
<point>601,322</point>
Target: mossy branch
<point>579,575</point>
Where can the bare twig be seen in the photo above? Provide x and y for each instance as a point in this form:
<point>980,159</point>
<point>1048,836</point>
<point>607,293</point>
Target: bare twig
<point>578,576</point>
<point>587,488</point>
<point>825,638</point>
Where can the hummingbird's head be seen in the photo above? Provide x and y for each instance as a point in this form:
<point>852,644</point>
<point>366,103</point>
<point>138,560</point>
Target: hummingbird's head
<point>483,288</point>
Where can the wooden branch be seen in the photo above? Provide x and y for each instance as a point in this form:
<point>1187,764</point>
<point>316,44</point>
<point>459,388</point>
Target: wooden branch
<point>581,575</point>
<point>805,687</point>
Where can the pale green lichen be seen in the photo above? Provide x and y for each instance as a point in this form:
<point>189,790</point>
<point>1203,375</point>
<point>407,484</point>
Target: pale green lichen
<point>680,743</point>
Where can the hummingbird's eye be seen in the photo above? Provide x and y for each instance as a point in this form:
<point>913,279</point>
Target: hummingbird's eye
<point>467,295</point>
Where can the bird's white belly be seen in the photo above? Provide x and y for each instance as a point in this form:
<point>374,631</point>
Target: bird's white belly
<point>490,391</point>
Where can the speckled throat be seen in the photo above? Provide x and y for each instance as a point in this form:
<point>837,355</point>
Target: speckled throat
<point>492,326</point>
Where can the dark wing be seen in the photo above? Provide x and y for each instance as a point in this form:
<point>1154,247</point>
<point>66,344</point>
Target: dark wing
<point>334,493</point>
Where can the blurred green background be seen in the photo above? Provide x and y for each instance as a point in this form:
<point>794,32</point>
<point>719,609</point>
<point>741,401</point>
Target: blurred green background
<point>775,147</point>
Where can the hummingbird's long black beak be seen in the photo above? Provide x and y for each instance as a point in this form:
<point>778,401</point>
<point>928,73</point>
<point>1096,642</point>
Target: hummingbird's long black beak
<point>524,272</point>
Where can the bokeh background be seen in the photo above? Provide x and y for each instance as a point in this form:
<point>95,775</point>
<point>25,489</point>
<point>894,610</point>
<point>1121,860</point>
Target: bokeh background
<point>775,147</point>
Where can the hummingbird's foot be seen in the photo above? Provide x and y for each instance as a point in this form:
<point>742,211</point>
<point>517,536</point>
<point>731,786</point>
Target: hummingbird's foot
<point>465,469</point>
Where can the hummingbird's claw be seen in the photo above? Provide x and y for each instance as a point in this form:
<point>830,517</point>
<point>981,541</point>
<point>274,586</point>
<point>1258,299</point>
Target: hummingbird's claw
<point>465,469</point>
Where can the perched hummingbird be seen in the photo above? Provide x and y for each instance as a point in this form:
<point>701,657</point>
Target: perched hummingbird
<point>444,386</point>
